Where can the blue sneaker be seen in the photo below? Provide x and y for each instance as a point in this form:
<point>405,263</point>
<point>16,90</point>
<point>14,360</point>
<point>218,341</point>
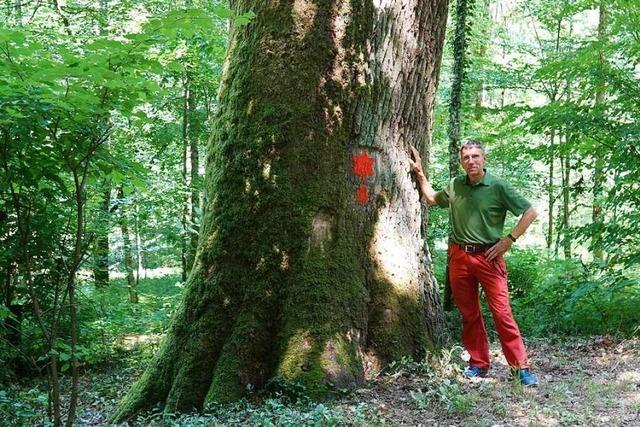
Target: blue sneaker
<point>527,378</point>
<point>475,372</point>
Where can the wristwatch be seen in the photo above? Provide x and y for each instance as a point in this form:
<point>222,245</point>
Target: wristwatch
<point>511,237</point>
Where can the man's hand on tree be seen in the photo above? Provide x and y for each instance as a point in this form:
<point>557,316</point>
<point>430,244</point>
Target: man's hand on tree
<point>498,249</point>
<point>416,162</point>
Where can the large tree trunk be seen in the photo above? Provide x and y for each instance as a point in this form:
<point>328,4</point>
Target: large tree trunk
<point>311,265</point>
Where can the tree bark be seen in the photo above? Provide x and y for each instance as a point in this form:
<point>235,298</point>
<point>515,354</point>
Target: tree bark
<point>598,174</point>
<point>551,187</point>
<point>128,257</point>
<point>190,174</point>
<point>459,64</point>
<point>139,260</point>
<point>195,183</point>
<point>186,159</point>
<point>101,250</point>
<point>565,162</point>
<point>311,265</point>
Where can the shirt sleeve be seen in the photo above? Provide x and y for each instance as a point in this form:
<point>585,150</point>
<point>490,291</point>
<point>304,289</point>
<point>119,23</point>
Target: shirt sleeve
<point>513,201</point>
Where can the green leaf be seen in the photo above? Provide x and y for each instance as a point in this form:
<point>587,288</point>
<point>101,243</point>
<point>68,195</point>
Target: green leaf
<point>243,19</point>
<point>222,12</point>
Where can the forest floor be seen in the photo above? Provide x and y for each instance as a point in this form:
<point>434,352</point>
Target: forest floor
<point>585,382</point>
<point>588,382</point>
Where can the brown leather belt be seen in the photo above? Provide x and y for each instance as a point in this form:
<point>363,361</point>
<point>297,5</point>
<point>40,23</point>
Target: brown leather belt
<point>474,248</point>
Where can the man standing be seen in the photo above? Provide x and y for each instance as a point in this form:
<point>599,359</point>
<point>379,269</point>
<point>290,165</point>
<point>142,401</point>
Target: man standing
<point>478,204</point>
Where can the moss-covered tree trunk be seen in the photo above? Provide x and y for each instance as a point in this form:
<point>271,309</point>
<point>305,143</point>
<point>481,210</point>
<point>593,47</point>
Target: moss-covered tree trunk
<point>460,41</point>
<point>311,265</point>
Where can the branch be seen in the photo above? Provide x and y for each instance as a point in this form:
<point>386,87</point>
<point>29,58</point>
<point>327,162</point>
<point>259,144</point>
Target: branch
<point>65,21</point>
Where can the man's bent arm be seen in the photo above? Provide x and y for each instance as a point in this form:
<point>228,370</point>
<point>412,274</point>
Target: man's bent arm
<point>505,243</point>
<point>525,221</point>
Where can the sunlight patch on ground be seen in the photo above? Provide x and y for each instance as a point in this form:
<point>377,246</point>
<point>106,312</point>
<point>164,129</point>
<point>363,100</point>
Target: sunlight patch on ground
<point>130,341</point>
<point>629,376</point>
<point>149,273</point>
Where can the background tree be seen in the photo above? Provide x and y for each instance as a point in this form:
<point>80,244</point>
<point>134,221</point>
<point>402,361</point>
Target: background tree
<point>463,8</point>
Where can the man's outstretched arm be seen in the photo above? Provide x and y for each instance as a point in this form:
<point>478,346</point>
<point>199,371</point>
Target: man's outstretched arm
<point>424,186</point>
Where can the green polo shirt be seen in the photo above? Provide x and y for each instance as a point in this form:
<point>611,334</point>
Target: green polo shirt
<point>478,211</point>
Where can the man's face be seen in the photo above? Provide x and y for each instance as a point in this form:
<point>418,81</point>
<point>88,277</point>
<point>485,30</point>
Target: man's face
<point>472,160</point>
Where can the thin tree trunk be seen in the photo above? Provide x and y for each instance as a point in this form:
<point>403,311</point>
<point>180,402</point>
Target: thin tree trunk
<point>54,391</point>
<point>22,212</point>
<point>195,182</point>
<point>101,251</point>
<point>79,180</point>
<point>566,176</point>
<point>598,173</point>
<point>186,159</point>
<point>485,13</point>
<point>553,95</point>
<point>139,259</point>
<point>101,254</point>
<point>551,187</point>
<point>128,258</point>
<point>311,266</point>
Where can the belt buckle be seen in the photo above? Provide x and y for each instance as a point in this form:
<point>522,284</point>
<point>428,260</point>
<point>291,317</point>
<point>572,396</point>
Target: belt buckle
<point>469,249</point>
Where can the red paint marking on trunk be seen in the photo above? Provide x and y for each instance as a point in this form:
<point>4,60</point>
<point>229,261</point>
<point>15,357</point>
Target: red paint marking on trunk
<point>362,195</point>
<point>363,165</point>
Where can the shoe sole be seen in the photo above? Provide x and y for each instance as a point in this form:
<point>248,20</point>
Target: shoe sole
<point>475,376</point>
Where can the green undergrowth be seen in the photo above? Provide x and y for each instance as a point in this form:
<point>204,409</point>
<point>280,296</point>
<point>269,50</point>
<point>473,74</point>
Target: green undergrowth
<point>110,307</point>
<point>117,338</point>
<point>110,323</point>
<point>435,382</point>
<point>24,402</point>
<point>275,411</point>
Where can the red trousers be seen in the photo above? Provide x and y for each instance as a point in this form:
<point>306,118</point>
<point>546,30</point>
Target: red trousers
<point>466,270</point>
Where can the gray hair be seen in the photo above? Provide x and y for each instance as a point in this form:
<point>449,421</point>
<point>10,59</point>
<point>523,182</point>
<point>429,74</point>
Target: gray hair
<point>471,143</point>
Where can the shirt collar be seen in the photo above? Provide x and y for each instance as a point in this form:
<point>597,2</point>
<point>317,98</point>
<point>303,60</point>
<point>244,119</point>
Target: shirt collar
<point>486,180</point>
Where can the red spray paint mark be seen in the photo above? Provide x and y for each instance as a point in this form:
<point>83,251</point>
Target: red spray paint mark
<point>363,167</point>
<point>362,194</point>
